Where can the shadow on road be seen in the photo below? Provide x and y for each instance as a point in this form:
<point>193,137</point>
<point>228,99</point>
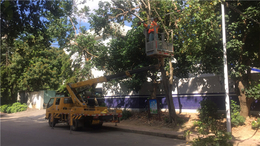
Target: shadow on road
<point>103,129</point>
<point>3,115</point>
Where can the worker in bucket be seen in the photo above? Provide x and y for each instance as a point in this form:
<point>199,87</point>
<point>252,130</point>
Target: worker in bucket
<point>151,29</point>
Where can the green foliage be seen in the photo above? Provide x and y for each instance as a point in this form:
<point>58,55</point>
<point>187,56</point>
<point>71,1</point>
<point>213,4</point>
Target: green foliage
<point>16,107</point>
<point>86,48</point>
<point>236,118</point>
<point>199,40</point>
<point>28,62</point>
<point>208,124</point>
<point>207,111</point>
<point>43,14</point>
<point>187,133</point>
<point>242,39</point>
<point>256,124</point>
<point>126,114</point>
<point>38,68</point>
<point>33,68</point>
<point>3,108</point>
<point>220,139</point>
<point>253,91</point>
<point>127,53</point>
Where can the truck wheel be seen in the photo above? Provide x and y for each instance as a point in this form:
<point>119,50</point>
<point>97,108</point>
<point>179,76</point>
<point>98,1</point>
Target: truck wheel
<point>50,123</point>
<point>74,126</point>
<point>97,126</point>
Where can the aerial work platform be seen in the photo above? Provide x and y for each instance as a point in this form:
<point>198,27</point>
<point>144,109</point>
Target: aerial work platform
<point>158,48</point>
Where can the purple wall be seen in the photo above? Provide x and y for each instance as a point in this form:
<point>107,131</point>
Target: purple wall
<point>188,101</point>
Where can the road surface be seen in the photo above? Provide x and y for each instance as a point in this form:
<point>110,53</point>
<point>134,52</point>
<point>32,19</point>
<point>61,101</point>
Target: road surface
<point>29,128</point>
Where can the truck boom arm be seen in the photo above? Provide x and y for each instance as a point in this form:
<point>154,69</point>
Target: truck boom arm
<point>78,100</point>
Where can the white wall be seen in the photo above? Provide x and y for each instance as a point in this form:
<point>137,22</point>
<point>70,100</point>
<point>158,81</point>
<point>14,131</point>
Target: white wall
<point>35,99</point>
<point>203,84</point>
<point>193,85</point>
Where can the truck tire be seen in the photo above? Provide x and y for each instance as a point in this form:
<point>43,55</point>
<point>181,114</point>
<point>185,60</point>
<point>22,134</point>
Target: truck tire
<point>50,123</point>
<point>74,126</point>
<point>97,126</point>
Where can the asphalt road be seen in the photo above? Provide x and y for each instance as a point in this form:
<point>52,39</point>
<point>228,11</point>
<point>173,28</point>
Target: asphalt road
<point>29,128</point>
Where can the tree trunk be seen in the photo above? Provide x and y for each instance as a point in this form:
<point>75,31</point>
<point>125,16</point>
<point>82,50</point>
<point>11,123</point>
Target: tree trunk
<point>245,103</point>
<point>168,95</point>
<point>179,100</point>
<point>153,95</point>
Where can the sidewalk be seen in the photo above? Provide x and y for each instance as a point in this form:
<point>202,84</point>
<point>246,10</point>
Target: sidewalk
<point>146,131</point>
<point>171,134</point>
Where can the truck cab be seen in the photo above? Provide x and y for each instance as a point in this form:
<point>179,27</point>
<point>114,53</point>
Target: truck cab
<point>58,105</point>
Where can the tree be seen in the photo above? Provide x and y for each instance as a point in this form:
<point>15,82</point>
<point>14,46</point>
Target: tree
<point>243,49</point>
<point>28,62</point>
<point>188,44</point>
<point>120,11</point>
<point>127,53</point>
<point>197,29</point>
<point>201,43</point>
<point>32,17</point>
<point>36,68</point>
<point>82,46</point>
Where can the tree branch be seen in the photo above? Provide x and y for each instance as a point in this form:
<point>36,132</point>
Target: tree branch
<point>149,9</point>
<point>73,26</point>
<point>140,5</point>
<point>119,15</point>
<point>144,3</point>
<point>238,11</point>
<point>175,7</point>
<point>119,9</point>
<point>84,49</point>
<point>89,53</point>
<point>162,23</point>
<point>119,6</point>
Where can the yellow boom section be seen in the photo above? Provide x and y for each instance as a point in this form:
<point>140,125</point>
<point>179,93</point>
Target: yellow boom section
<point>72,90</point>
<point>78,100</point>
<point>88,82</point>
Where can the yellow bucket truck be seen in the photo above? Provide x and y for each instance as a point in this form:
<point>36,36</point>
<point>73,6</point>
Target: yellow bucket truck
<point>82,107</point>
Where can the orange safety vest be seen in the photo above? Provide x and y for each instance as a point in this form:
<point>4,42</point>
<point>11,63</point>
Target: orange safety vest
<point>151,29</point>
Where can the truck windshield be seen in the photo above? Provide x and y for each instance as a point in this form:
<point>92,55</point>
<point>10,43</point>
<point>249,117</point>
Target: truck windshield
<point>50,103</point>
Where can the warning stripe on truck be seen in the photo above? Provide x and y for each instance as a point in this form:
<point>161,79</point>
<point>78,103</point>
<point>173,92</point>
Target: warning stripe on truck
<point>97,115</point>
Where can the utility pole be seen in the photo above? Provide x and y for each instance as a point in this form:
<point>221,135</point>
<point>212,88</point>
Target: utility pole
<point>227,101</point>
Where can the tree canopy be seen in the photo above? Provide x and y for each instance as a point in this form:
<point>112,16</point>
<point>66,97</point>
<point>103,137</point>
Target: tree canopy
<point>28,62</point>
<point>197,35</point>
<point>33,17</point>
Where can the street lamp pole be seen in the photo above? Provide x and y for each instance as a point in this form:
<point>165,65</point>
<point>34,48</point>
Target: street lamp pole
<point>227,101</point>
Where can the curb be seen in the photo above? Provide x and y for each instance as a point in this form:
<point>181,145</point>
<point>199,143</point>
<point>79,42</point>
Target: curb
<point>181,137</point>
<point>175,136</point>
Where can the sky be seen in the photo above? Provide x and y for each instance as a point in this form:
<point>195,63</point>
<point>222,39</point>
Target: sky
<point>93,4</point>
